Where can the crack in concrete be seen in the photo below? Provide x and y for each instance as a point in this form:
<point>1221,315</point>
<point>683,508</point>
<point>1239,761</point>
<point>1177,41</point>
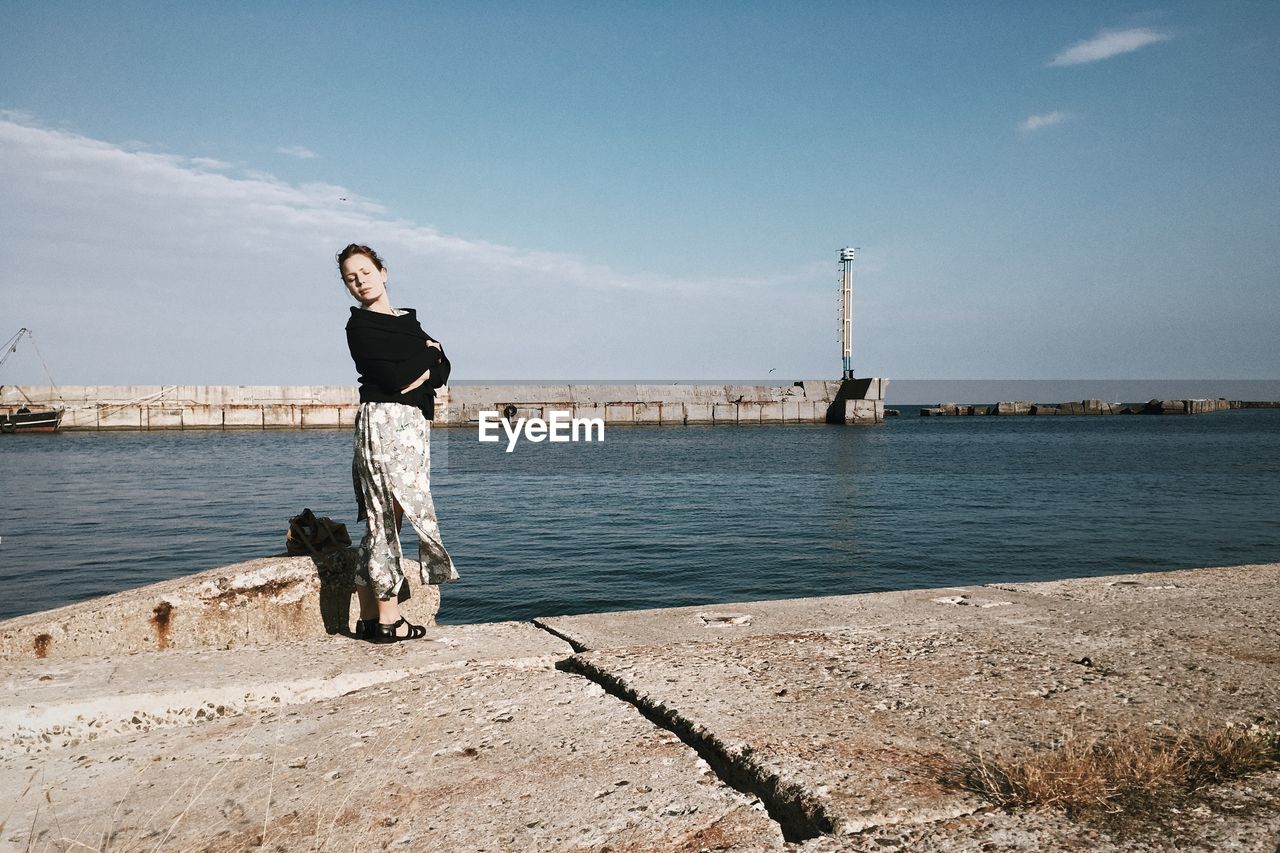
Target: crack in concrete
<point>794,809</point>
<point>577,647</point>
<point>797,811</point>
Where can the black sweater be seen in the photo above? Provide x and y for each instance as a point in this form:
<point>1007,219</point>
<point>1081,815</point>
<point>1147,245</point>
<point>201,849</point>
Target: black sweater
<point>391,352</point>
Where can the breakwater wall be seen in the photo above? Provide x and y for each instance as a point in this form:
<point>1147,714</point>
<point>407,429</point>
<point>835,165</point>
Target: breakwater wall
<point>1097,407</point>
<point>157,407</point>
<point>925,392</point>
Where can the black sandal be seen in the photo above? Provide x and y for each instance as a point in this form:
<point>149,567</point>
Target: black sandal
<point>366,629</point>
<point>388,633</point>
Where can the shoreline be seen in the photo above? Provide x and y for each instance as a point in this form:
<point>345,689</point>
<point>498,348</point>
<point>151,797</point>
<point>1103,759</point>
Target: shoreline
<point>858,401</point>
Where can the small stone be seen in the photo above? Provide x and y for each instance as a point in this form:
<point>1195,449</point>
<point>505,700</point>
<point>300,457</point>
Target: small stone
<point>332,774</point>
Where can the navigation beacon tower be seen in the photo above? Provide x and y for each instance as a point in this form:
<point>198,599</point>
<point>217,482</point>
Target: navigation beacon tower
<point>858,401</point>
<point>847,257</point>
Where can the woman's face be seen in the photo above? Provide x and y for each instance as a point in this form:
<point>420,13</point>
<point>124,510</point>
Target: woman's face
<point>364,281</point>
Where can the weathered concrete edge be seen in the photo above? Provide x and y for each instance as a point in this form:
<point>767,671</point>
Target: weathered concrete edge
<point>259,601</point>
<point>563,626</point>
<point>279,598</point>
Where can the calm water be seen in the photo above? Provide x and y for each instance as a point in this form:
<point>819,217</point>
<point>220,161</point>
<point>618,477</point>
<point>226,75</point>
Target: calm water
<point>668,516</point>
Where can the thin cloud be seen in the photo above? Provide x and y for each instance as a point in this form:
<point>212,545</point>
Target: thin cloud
<point>209,163</point>
<point>1035,122</point>
<point>257,198</point>
<point>1109,43</point>
<point>297,151</point>
<point>135,238</point>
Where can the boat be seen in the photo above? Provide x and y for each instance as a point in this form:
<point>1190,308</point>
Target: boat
<point>29,420</point>
<point>25,418</point>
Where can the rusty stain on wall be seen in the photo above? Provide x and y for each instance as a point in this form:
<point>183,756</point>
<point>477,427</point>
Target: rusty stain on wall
<point>160,618</point>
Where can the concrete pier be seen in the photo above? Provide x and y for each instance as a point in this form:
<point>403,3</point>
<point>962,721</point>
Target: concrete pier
<point>859,401</point>
<point>1098,407</point>
<point>153,407</point>
<point>810,724</point>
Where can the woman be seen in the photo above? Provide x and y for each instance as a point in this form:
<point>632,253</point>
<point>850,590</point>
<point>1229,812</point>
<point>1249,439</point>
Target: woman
<point>400,367</point>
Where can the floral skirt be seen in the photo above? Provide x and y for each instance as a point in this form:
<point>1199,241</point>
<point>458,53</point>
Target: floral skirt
<point>392,464</point>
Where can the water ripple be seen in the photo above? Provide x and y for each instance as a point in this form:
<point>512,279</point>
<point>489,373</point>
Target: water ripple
<point>668,516</point>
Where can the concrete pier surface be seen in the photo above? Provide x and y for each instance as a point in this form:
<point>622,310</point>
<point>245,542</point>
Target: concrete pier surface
<point>842,723</point>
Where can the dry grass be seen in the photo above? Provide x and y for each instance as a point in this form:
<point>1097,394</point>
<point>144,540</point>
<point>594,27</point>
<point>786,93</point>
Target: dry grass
<point>1121,772</point>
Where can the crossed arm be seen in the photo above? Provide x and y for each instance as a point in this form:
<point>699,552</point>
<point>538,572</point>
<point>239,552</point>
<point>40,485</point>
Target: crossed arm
<point>394,367</point>
<point>426,374</point>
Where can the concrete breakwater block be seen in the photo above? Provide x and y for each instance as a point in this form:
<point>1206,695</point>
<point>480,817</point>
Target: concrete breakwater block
<point>256,602</point>
<point>858,401</point>
<point>863,412</point>
<point>1016,407</point>
<point>1088,407</point>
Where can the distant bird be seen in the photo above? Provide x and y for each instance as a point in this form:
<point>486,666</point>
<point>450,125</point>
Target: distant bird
<point>342,199</point>
<point>772,369</point>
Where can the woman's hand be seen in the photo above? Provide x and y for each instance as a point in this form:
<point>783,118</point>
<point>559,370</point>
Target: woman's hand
<point>417,383</point>
<point>435,344</point>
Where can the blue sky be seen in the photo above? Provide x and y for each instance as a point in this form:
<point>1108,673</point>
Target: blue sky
<point>645,190</point>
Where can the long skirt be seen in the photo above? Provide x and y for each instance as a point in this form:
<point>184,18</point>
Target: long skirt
<point>392,463</point>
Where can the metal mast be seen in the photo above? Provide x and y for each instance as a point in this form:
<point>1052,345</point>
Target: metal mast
<point>847,256</point>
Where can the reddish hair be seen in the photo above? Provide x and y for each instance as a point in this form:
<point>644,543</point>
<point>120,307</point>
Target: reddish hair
<point>357,249</point>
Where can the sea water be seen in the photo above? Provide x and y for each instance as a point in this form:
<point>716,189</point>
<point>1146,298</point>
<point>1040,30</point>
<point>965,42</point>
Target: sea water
<point>667,516</point>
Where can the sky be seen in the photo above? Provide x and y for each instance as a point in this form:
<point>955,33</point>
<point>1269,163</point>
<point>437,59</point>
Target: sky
<point>643,190</point>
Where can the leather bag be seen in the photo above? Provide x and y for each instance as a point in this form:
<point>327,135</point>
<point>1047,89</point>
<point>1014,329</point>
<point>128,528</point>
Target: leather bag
<point>309,535</point>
